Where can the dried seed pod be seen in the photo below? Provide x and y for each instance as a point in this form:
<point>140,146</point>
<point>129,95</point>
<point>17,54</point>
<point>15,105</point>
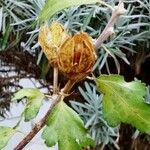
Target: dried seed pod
<point>51,38</point>
<point>77,56</point>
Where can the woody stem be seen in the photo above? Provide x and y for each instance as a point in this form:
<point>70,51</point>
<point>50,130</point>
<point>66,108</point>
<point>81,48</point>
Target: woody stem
<point>38,126</point>
<point>109,29</point>
<point>55,80</point>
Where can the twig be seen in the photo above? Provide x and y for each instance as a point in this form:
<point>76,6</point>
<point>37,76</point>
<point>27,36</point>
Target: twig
<point>109,29</point>
<point>55,80</point>
<point>42,122</point>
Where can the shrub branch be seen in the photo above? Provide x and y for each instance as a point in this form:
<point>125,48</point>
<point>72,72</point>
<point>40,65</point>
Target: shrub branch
<point>109,30</point>
<point>42,122</point>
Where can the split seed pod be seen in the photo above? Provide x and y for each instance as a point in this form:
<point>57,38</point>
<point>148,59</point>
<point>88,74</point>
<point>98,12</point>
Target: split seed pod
<point>77,56</point>
<point>50,39</point>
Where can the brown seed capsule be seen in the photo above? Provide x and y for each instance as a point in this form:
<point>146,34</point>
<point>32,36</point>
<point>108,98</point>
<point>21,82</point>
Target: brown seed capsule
<point>77,56</point>
<point>51,38</point>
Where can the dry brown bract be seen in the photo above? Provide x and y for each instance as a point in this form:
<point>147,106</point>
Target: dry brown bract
<point>77,56</point>
<point>51,38</point>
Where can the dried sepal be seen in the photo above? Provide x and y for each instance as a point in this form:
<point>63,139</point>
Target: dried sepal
<point>77,56</point>
<point>51,38</point>
<point>66,55</point>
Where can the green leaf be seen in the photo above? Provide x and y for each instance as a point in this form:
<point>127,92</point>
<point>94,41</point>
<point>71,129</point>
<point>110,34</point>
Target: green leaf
<point>34,101</point>
<point>5,133</point>
<point>53,6</point>
<point>124,102</point>
<point>65,127</point>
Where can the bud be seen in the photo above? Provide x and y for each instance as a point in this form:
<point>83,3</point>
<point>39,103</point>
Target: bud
<point>51,38</point>
<point>77,56</point>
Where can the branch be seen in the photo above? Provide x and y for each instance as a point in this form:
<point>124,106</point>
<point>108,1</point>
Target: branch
<point>55,80</point>
<point>109,29</point>
<point>43,121</point>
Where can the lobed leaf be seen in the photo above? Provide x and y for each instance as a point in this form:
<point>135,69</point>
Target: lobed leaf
<point>124,102</point>
<point>65,127</point>
<point>34,101</point>
<point>5,133</point>
<point>53,6</point>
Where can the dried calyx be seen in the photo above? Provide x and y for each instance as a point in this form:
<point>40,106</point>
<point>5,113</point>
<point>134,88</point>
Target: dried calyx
<point>75,56</point>
<point>50,39</point>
